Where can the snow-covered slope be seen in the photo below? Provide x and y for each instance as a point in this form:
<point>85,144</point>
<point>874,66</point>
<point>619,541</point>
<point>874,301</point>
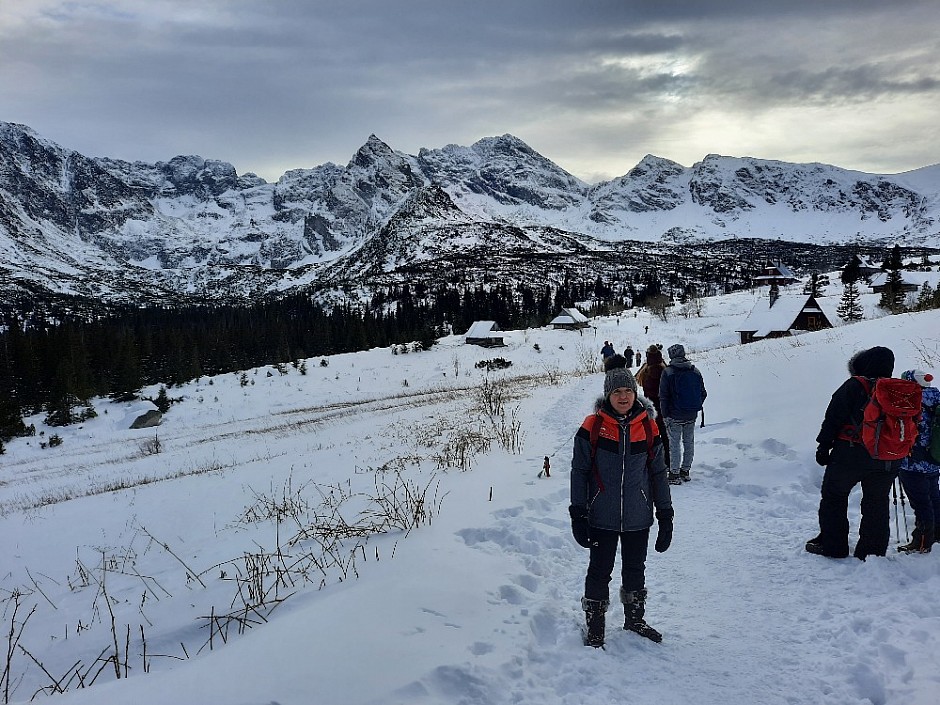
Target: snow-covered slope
<point>479,604</point>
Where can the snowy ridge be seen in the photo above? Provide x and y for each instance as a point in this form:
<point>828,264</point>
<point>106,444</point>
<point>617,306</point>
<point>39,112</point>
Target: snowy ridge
<point>482,605</point>
<point>143,225</point>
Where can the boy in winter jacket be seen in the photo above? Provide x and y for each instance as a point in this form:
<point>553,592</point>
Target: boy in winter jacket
<point>618,485</point>
<point>847,464</point>
<point>920,473</point>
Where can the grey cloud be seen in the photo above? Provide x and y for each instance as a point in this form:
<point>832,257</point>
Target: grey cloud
<point>281,84</point>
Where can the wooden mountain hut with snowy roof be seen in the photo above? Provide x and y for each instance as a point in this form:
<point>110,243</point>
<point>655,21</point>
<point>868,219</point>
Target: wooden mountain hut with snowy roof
<point>485,334</point>
<point>570,319</point>
<point>784,314</point>
<point>865,267</point>
<point>777,273</point>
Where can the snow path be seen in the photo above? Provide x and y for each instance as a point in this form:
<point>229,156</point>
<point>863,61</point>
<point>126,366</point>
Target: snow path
<point>755,634</point>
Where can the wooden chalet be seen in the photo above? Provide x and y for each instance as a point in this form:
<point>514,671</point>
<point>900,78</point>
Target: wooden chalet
<point>778,274</point>
<point>570,319</point>
<point>781,315</point>
<point>485,334</point>
<point>865,268</point>
<point>910,281</point>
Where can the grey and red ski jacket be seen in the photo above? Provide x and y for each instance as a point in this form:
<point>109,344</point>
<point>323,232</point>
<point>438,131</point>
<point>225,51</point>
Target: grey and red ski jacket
<point>628,482</point>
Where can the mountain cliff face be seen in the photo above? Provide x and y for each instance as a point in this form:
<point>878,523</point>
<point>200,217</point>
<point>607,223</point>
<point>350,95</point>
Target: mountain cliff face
<point>191,226</point>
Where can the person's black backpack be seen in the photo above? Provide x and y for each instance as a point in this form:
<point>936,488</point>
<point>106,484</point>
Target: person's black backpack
<point>686,391</point>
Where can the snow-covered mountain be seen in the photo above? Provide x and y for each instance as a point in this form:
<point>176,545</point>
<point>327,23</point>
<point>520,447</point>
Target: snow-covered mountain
<point>112,229</point>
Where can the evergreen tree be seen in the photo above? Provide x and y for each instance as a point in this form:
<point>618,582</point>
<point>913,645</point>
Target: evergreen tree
<point>850,309</point>
<point>815,288</point>
<point>852,272</point>
<point>926,298</point>
<point>162,402</point>
<point>892,296</point>
<point>11,422</point>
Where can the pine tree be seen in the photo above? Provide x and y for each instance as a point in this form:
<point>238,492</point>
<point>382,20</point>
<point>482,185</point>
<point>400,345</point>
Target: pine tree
<point>892,296</point>
<point>852,272</point>
<point>925,299</point>
<point>850,309</point>
<point>815,288</point>
<point>11,422</point>
<point>162,402</point>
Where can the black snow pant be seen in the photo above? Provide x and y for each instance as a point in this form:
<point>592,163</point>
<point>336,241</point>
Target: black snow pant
<point>850,465</point>
<point>633,548</point>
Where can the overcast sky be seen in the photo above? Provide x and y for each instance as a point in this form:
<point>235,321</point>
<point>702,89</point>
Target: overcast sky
<point>272,85</point>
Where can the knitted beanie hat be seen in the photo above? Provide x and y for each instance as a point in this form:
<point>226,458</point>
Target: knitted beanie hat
<point>617,378</point>
<point>614,361</point>
<point>922,378</point>
<point>676,352</point>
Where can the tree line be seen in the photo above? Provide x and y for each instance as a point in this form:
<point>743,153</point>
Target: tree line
<point>56,365</point>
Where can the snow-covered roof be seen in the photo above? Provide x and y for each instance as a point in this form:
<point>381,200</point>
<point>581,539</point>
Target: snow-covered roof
<point>764,319</point>
<point>914,278</point>
<point>569,316</point>
<point>483,329</point>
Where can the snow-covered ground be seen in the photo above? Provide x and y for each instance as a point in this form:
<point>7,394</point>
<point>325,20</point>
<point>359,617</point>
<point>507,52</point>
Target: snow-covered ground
<point>479,603</point>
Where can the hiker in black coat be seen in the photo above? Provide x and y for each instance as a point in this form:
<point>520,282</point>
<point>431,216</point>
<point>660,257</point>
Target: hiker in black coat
<point>848,463</point>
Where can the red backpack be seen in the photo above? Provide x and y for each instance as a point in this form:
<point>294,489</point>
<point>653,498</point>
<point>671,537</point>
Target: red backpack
<point>889,420</point>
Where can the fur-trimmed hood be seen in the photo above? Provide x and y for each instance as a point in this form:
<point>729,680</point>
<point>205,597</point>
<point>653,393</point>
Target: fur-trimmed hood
<point>873,362</point>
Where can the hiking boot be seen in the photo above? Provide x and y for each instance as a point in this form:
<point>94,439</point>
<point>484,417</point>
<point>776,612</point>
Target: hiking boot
<point>634,608</point>
<point>915,547</point>
<point>815,547</point>
<point>595,613</point>
<point>920,543</point>
<point>684,475</point>
<point>674,478</point>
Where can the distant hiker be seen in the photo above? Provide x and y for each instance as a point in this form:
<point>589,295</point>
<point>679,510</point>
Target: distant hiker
<point>848,463</point>
<point>618,481</point>
<point>649,377</point>
<point>607,350</point>
<point>628,356</point>
<point>639,358</point>
<point>546,468</point>
<point>646,329</point>
<point>681,396</point>
<point>920,472</point>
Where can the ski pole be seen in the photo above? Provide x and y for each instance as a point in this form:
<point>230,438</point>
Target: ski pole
<point>703,419</point>
<point>894,493</point>
<point>904,511</point>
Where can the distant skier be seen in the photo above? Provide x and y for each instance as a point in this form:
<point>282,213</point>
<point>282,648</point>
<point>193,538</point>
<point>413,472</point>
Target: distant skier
<point>607,350</point>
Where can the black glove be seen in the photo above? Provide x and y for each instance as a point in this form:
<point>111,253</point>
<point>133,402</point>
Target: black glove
<point>580,528</point>
<point>822,456</point>
<point>664,535</point>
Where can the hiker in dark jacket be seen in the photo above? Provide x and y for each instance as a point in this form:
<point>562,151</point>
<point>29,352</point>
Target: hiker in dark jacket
<point>848,463</point>
<point>920,473</point>
<point>681,395</point>
<point>614,497</point>
<point>649,377</point>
